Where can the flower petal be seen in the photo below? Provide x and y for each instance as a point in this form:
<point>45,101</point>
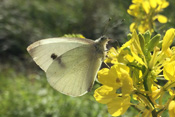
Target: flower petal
<point>104,94</point>
<point>171,108</point>
<point>146,6</point>
<point>153,3</point>
<point>168,39</point>
<point>162,19</point>
<point>119,106</point>
<point>168,71</point>
<point>132,27</point>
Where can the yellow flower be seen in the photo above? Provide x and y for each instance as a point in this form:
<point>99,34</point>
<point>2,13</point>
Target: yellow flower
<point>112,56</point>
<point>104,94</point>
<point>133,26</point>
<point>136,49</point>
<point>119,105</point>
<point>145,13</point>
<point>124,55</point>
<point>171,108</point>
<point>135,45</point>
<point>146,6</point>
<point>161,18</point>
<point>161,4</point>
<point>120,55</point>
<point>168,39</point>
<point>74,35</point>
<point>153,3</point>
<point>154,93</point>
<point>129,52</point>
<point>169,71</point>
<point>116,89</point>
<point>116,103</point>
<point>115,76</point>
<point>136,68</point>
<point>171,91</point>
<point>129,58</point>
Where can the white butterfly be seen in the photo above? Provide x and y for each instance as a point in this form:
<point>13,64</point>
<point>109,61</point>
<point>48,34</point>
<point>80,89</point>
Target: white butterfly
<point>71,64</point>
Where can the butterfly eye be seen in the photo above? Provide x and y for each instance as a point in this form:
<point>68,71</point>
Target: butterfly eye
<point>103,38</point>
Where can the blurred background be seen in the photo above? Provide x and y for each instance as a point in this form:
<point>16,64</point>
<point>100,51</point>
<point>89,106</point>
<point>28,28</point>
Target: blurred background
<point>24,91</point>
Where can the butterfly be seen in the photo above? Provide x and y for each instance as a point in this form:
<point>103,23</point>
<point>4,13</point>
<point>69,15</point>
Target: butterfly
<point>71,64</point>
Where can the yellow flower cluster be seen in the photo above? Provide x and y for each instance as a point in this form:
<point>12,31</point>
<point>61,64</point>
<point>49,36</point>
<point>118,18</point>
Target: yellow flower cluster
<point>74,35</point>
<point>116,89</point>
<point>136,68</point>
<point>145,13</point>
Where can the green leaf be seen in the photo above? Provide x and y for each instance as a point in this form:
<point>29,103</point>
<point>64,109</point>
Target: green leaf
<point>153,42</point>
<point>147,36</point>
<point>160,44</point>
<point>142,41</point>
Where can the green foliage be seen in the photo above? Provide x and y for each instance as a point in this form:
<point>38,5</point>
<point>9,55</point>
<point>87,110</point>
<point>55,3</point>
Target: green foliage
<point>22,22</point>
<point>25,21</point>
<point>32,96</point>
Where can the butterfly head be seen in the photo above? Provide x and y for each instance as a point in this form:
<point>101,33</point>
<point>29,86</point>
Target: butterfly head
<point>102,40</point>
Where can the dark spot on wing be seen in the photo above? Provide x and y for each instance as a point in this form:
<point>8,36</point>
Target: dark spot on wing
<point>53,56</point>
<point>60,61</point>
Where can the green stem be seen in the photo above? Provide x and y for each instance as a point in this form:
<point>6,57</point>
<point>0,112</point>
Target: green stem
<point>145,80</point>
<point>154,113</point>
<point>134,66</point>
<point>135,107</point>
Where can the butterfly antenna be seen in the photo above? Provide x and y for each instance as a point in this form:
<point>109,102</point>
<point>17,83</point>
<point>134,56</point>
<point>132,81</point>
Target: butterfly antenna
<point>106,26</point>
<point>116,26</point>
<point>119,23</point>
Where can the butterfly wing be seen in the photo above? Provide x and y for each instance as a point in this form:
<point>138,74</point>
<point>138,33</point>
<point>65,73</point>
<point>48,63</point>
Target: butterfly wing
<point>44,51</point>
<point>73,73</point>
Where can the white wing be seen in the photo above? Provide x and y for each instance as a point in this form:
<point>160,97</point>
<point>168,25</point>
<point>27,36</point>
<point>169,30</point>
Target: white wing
<point>74,72</point>
<point>45,50</point>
